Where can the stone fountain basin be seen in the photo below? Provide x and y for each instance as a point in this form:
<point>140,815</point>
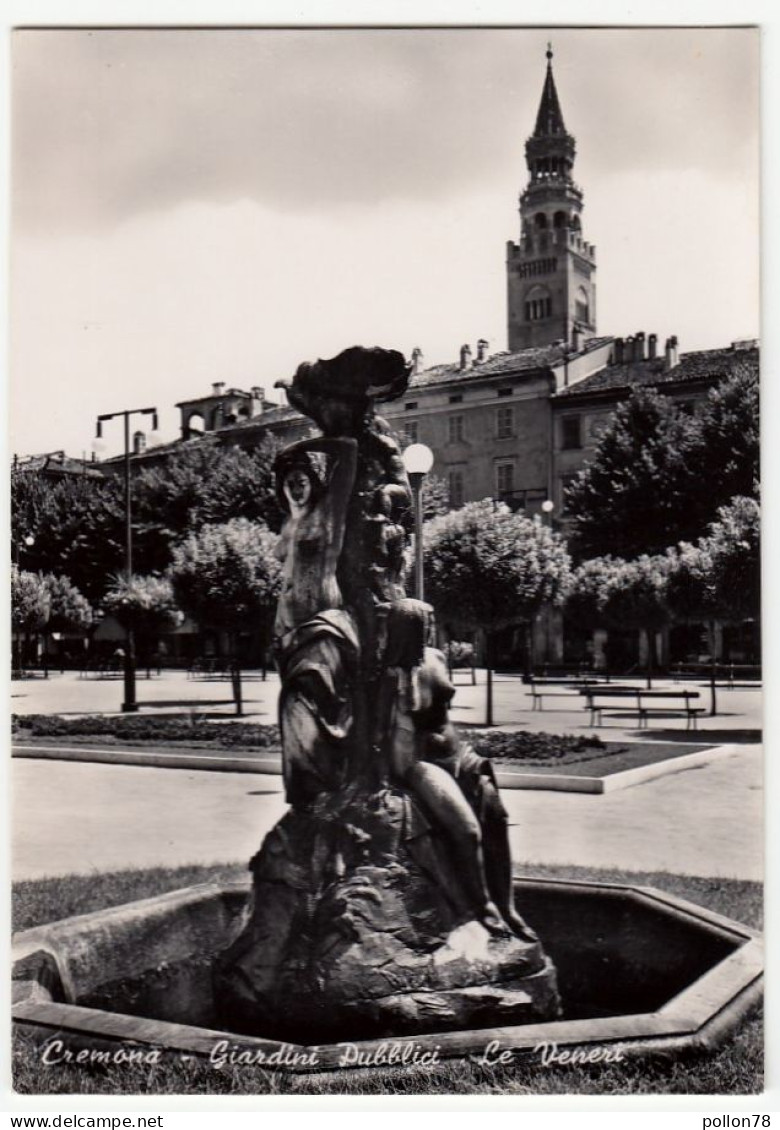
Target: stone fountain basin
<point>639,972</point>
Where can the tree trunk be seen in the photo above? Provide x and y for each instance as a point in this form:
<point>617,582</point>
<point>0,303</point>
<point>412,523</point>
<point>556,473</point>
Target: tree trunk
<point>235,674</point>
<point>713,668</point>
<point>650,637</point>
<point>489,669</point>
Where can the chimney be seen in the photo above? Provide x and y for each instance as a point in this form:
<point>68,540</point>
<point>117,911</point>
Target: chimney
<point>139,443</point>
<point>639,347</point>
<point>618,350</point>
<point>652,347</point>
<point>217,388</point>
<point>482,348</point>
<point>576,339</point>
<point>257,401</point>
<point>417,360</point>
<point>628,349</point>
<point>670,353</point>
<point>465,357</point>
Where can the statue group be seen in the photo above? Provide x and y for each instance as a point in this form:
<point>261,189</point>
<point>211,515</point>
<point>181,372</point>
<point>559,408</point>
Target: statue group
<point>382,902</point>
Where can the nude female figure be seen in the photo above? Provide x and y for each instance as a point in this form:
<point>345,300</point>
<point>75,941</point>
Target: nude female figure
<point>314,636</point>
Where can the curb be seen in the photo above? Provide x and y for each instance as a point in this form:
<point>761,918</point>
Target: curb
<point>563,783</point>
<point>149,758</point>
<point>272,766</point>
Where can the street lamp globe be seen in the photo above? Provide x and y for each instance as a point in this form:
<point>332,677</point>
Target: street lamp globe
<point>548,506</point>
<point>29,540</point>
<point>418,459</point>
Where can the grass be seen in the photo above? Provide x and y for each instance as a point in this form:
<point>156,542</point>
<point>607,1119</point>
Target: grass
<point>735,1069</point>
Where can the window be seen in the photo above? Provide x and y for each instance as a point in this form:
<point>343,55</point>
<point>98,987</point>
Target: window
<point>505,392</point>
<point>505,479</point>
<point>456,398</point>
<point>571,432</point>
<point>505,422</point>
<point>410,406</point>
<point>412,431</point>
<point>456,430</point>
<point>455,479</point>
<point>582,306</point>
<point>538,305</point>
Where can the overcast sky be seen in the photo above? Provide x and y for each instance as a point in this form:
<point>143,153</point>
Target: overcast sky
<point>193,206</point>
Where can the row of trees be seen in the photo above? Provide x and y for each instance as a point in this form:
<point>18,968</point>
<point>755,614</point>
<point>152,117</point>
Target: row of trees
<point>523,566</point>
<point>665,526</point>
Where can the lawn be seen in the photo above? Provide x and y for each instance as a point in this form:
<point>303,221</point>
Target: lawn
<point>735,1069</point>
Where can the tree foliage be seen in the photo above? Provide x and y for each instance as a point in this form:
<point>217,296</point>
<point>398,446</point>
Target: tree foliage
<point>144,603</point>
<point>226,575</point>
<point>719,578</point>
<point>486,567</point>
<point>659,475</point>
<point>77,524</point>
<point>435,497</point>
<point>30,601</point>
<point>204,484</point>
<point>70,611</point>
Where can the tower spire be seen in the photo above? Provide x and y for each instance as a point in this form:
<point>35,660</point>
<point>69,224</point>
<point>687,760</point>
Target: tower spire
<point>551,270</point>
<point>549,120</point>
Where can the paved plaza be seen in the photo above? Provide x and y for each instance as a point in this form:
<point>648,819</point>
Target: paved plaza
<point>77,817</point>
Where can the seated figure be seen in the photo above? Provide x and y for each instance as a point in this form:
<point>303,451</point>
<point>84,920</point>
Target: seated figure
<point>455,785</point>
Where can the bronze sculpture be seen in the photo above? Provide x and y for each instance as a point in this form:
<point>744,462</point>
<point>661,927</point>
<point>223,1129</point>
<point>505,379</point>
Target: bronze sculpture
<point>382,902</point>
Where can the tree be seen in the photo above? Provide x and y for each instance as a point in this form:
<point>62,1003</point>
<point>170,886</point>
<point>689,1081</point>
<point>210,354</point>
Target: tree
<point>30,608</point>
<point>77,524</point>
<point>227,576</point>
<point>487,568</point>
<point>659,475</point>
<point>719,578</point>
<point>204,483</point>
<point>632,498</point>
<point>435,497</point>
<point>611,592</point>
<point>144,605</point>
<point>726,460</point>
<point>734,546</point>
<point>70,611</point>
<point>635,597</point>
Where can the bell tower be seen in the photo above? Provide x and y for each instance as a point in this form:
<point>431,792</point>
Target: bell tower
<point>551,271</point>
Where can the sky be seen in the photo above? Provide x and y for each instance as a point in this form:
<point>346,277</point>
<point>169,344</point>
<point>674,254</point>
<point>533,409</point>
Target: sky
<point>219,205</point>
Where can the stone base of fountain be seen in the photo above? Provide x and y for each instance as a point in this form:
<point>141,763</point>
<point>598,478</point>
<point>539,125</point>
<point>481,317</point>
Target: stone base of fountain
<point>355,925</point>
<point>640,972</point>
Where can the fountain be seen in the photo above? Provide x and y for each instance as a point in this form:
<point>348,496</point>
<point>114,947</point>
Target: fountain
<point>382,905</point>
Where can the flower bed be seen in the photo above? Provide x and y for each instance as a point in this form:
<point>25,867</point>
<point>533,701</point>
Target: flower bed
<point>539,748</point>
<point>144,728</point>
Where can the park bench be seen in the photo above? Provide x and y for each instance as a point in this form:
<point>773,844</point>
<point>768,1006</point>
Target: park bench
<point>635,700</point>
<point>568,686</point>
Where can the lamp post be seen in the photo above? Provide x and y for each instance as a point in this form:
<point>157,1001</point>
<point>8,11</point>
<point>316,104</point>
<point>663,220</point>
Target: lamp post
<point>547,509</point>
<point>418,460</point>
<point>130,705</point>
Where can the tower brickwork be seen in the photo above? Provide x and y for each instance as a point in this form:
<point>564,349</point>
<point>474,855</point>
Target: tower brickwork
<point>551,270</point>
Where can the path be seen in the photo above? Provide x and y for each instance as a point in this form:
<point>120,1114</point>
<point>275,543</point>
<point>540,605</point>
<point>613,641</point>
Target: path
<point>70,816</point>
